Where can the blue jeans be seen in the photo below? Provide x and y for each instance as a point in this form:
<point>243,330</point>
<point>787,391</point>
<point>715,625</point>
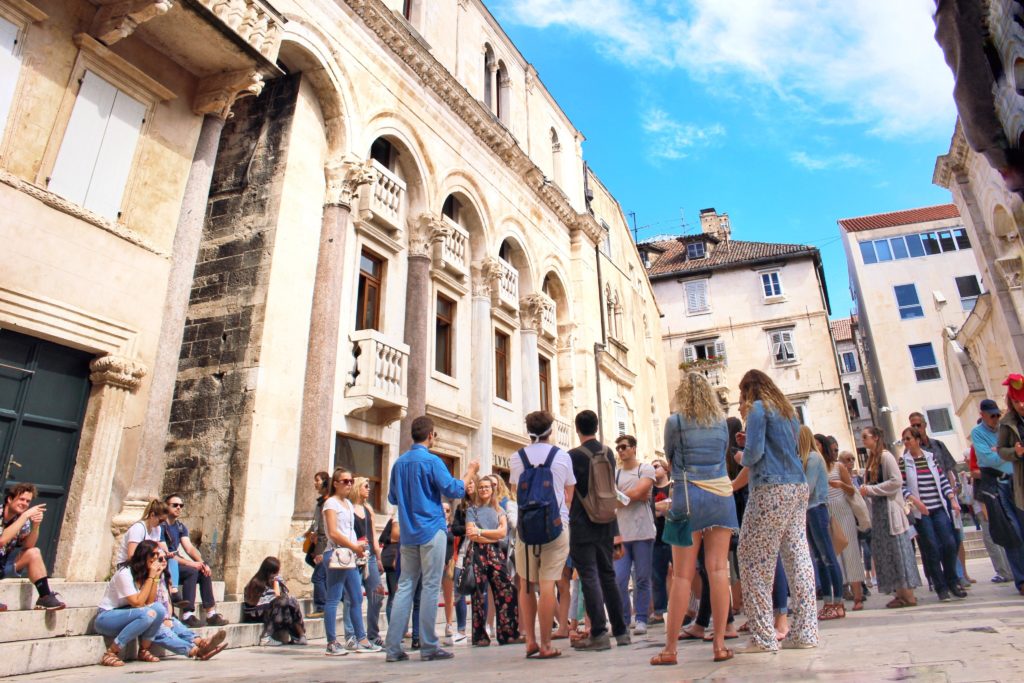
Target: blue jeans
<point>639,557</point>
<point>128,623</point>
<point>824,554</point>
<point>1014,556</point>
<point>938,545</point>
<point>661,559</point>
<point>345,581</point>
<point>370,583</point>
<point>173,569</point>
<point>419,562</point>
<point>319,581</point>
<point>460,611</point>
<point>177,638</point>
<point>780,589</point>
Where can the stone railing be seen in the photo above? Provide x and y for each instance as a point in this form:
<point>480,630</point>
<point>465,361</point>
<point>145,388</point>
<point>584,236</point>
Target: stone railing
<point>380,378</point>
<point>714,370</point>
<point>549,321</point>
<point>565,433</point>
<point>252,20</point>
<point>506,294</point>
<point>452,253</point>
<point>384,202</point>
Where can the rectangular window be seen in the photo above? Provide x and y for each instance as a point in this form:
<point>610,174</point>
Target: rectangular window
<point>371,274</point>
<point>925,365</point>
<point>95,156</point>
<point>899,248</point>
<point>695,250</point>
<point>621,419</point>
<point>883,251</point>
<point>969,290</point>
<point>849,363</point>
<point>962,241</point>
<point>907,301</point>
<point>946,242</point>
<point>782,346</point>
<point>362,459</point>
<point>867,252</point>
<point>544,375</point>
<point>801,412</point>
<point>444,332</point>
<point>502,346</point>
<point>931,243</point>
<point>770,284</point>
<point>697,297</point>
<point>711,349</point>
<point>10,67</point>
<point>939,421</point>
<point>914,245</point>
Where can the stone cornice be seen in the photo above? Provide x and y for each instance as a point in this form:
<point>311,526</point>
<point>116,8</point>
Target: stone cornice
<point>117,371</point>
<point>953,162</point>
<point>400,39</point>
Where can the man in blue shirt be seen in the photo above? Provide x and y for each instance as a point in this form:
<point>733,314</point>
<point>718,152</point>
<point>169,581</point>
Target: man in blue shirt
<point>418,481</point>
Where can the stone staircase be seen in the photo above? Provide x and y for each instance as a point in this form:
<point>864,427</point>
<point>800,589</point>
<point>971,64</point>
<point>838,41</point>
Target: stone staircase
<point>32,640</point>
<point>974,544</point>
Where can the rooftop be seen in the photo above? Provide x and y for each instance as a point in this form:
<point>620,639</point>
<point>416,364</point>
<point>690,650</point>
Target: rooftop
<point>895,218</point>
<point>727,253</point>
<point>842,329</point>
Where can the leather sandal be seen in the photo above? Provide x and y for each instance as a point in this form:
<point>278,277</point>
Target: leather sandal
<point>664,659</point>
<point>111,658</point>
<point>147,656</point>
<point>858,605</point>
<point>723,655</point>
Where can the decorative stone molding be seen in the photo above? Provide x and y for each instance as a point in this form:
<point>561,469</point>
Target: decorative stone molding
<point>254,22</point>
<point>217,94</point>
<point>532,311</point>
<point>117,371</point>
<point>427,230</point>
<point>1011,270</point>
<point>344,179</point>
<point>954,163</point>
<point>484,277</point>
<point>117,19</point>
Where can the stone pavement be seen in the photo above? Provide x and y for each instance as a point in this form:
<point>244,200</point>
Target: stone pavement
<point>977,639</point>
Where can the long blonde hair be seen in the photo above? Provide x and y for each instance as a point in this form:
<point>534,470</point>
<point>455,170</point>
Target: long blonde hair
<point>356,490</point>
<point>493,502</point>
<point>757,386</point>
<point>873,468</point>
<point>805,444</point>
<point>696,400</point>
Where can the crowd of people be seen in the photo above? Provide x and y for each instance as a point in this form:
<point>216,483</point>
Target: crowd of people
<point>755,515</point>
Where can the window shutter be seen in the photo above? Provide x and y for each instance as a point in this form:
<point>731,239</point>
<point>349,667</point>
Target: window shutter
<point>621,417</point>
<point>691,296</point>
<point>720,350</point>
<point>689,355</point>
<point>10,65</point>
<point>702,295</point>
<point>115,156</point>
<point>777,345</point>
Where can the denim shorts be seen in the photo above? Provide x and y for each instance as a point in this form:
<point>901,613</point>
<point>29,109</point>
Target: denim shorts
<point>706,509</point>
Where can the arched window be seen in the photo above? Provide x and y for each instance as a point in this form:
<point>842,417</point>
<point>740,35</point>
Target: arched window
<point>383,153</point>
<point>490,75</point>
<point>451,208</point>
<point>504,92</point>
<point>556,159</point>
<point>505,251</point>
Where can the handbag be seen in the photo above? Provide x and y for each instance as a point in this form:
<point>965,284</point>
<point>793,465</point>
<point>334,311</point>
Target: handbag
<point>1003,531</point>
<point>839,540</point>
<point>309,542</point>
<point>677,522</point>
<point>465,575</point>
<point>860,510</point>
<point>342,558</point>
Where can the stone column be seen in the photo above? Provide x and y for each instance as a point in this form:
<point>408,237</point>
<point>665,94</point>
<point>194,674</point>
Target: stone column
<point>531,313</point>
<point>423,233</point>
<point>214,99</point>
<point>85,525</point>
<point>316,427</point>
<point>482,371</point>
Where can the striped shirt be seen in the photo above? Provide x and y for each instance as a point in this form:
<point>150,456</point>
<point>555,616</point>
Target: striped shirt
<point>932,497</point>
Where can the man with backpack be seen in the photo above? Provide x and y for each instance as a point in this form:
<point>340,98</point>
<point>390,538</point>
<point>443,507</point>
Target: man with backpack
<point>594,528</point>
<point>543,477</point>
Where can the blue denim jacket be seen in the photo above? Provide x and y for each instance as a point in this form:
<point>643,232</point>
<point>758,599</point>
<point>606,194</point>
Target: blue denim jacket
<point>697,449</point>
<point>770,452</point>
<point>817,480</point>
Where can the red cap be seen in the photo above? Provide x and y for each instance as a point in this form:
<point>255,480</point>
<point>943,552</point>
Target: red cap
<point>1014,384</point>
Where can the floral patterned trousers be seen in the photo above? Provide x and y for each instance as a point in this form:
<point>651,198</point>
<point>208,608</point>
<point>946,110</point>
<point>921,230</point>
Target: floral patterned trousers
<point>491,568</point>
<point>776,521</point>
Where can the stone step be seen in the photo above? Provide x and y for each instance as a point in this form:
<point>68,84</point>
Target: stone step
<point>20,594</point>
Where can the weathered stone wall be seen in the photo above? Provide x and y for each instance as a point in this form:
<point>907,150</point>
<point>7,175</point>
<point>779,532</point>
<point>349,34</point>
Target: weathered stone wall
<point>211,417</point>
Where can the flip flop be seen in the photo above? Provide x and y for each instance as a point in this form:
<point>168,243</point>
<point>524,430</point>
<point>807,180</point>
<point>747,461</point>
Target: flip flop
<point>550,654</point>
<point>532,652</point>
<point>686,635</point>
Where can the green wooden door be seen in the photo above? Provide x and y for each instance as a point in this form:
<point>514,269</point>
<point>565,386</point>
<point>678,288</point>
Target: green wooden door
<point>43,391</point>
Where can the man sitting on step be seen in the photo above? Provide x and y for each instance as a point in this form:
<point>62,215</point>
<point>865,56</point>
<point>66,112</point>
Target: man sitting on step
<point>19,531</point>
<point>192,569</point>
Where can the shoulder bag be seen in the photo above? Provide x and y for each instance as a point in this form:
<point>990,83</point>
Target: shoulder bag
<point>342,558</point>
<point>677,521</point>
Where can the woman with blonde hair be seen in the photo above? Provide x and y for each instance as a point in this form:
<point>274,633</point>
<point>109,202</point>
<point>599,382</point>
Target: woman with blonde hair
<point>371,573</point>
<point>818,521</point>
<point>775,518</point>
<point>696,439</point>
<point>486,527</point>
<point>840,488</point>
<point>146,529</point>
<point>895,561</point>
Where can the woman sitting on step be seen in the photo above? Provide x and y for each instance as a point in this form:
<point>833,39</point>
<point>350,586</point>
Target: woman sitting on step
<point>175,637</point>
<point>130,608</point>
<point>267,601</point>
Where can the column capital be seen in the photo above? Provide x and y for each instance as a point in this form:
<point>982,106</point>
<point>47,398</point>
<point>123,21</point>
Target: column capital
<point>344,179</point>
<point>217,94</point>
<point>486,274</point>
<point>117,19</point>
<point>426,230</point>
<point>532,308</point>
<point>117,371</point>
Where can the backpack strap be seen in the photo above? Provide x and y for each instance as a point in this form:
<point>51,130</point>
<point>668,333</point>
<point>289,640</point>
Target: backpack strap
<point>551,457</point>
<point>526,461</point>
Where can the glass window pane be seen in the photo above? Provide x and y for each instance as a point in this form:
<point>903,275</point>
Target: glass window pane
<point>923,355</point>
<point>946,241</point>
<point>931,243</point>
<point>867,252</point>
<point>899,247</point>
<point>939,420</point>
<point>914,245</point>
<point>906,295</point>
<point>883,251</point>
<point>962,241</point>
<point>968,286</point>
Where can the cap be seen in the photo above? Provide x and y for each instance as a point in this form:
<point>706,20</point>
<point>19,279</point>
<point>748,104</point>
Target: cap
<point>1014,384</point>
<point>990,407</point>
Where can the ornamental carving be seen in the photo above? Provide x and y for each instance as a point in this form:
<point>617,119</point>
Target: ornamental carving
<point>344,178</point>
<point>217,94</point>
<point>117,20</point>
<point>532,310</point>
<point>1011,271</point>
<point>427,230</point>
<point>252,21</point>
<point>117,371</point>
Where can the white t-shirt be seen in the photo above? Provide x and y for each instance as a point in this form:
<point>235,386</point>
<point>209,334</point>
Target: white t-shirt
<point>636,520</point>
<point>561,472</point>
<point>137,533</point>
<point>121,585</point>
<point>345,515</point>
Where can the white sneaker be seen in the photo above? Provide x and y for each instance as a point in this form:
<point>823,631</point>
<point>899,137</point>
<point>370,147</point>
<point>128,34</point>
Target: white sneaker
<point>270,641</point>
<point>367,648</point>
<point>640,629</point>
<point>458,637</point>
<point>447,630</point>
<point>351,644</point>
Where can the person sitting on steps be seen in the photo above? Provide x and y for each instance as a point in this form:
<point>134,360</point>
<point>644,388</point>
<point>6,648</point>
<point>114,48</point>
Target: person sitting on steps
<point>192,568</point>
<point>19,531</point>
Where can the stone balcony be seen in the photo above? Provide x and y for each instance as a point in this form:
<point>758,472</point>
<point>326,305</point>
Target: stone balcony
<point>549,320</point>
<point>506,294</point>
<point>384,204</point>
<point>451,254</point>
<point>378,388</point>
<point>565,433</point>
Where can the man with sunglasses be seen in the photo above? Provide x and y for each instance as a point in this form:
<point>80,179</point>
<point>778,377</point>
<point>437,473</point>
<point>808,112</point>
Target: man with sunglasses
<point>636,532</point>
<point>191,568</point>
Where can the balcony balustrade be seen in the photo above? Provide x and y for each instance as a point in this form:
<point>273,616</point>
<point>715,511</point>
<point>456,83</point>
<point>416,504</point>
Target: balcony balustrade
<point>380,378</point>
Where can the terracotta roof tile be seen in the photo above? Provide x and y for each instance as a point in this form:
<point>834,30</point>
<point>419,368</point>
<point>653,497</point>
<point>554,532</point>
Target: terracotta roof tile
<point>842,330</point>
<point>894,218</point>
<point>730,253</point>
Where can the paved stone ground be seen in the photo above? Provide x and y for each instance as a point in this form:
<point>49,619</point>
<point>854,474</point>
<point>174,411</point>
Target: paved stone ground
<point>977,639</point>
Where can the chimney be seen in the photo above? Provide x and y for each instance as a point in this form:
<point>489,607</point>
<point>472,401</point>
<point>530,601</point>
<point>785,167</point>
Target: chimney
<point>715,224</point>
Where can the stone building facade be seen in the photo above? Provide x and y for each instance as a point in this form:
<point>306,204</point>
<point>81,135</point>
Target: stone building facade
<point>733,305</point>
<point>400,223</point>
<point>853,373</point>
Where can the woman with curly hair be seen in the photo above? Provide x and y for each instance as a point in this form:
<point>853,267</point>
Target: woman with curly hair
<point>775,518</point>
<point>696,440</point>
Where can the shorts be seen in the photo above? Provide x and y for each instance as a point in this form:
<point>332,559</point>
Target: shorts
<point>7,570</point>
<point>547,567</point>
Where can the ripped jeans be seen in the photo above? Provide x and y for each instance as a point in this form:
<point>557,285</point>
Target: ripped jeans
<point>125,624</point>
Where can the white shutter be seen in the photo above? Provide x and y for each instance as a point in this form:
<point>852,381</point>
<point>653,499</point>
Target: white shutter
<point>691,297</point>
<point>776,339</point>
<point>10,66</point>
<point>787,343</point>
<point>621,417</point>
<point>720,351</point>
<point>689,355</point>
<point>99,143</point>
<point>697,296</point>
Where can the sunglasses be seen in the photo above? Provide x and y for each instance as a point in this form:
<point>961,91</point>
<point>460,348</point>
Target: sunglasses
<point>176,505</point>
<point>345,481</point>
<point>621,447</point>
<point>158,557</point>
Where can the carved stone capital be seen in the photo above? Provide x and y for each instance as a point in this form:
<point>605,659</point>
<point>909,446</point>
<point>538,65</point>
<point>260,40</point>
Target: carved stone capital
<point>119,19</point>
<point>532,308</point>
<point>217,94</point>
<point>424,232</point>
<point>1011,270</point>
<point>117,371</point>
<point>344,179</point>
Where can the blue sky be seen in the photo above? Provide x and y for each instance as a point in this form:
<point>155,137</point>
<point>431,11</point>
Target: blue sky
<point>787,114</point>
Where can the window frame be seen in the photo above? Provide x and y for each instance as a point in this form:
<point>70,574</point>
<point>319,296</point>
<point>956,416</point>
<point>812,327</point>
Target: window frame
<point>448,322</point>
<point>766,282</point>
<point>905,310</point>
<point>924,368</point>
<point>691,251</point>
<point>844,366</point>
<point>544,381</point>
<point>378,496</point>
<point>782,331</point>
<point>972,298</point>
<point>378,281</point>
<point>502,363</point>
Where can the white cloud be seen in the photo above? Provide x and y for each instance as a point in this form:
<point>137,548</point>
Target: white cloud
<point>864,61</point>
<point>822,163</point>
<point>673,139</point>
